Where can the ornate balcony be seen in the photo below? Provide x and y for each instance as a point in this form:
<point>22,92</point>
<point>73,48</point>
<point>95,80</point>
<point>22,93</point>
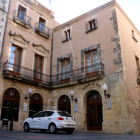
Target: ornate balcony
<point>42,30</point>
<point>80,75</point>
<point>22,19</point>
<point>19,73</point>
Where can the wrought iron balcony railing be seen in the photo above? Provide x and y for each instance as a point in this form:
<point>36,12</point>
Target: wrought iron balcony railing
<point>27,75</point>
<point>21,18</point>
<point>24,74</point>
<point>79,75</point>
<point>43,30</point>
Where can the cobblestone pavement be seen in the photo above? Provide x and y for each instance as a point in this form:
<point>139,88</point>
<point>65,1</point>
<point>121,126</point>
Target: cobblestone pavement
<point>37,135</point>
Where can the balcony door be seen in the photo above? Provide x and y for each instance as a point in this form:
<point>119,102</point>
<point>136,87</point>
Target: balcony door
<point>21,13</point>
<point>65,70</point>
<point>42,24</point>
<point>91,60</point>
<point>38,68</point>
<point>15,60</point>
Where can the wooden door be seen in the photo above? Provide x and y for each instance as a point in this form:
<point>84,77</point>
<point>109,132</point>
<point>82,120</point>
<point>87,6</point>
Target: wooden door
<point>94,112</point>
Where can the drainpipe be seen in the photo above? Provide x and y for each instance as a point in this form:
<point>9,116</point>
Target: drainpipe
<point>4,33</point>
<point>51,60</point>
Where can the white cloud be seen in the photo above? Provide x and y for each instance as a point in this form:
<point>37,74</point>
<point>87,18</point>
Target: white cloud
<point>64,10</point>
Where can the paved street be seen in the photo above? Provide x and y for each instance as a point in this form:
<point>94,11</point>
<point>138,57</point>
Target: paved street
<point>16,135</point>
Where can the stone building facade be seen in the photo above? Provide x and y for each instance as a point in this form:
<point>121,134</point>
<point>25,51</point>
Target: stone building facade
<point>105,49</point>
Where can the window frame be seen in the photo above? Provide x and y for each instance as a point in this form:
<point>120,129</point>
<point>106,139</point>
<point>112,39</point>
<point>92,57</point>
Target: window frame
<point>14,64</point>
<point>88,74</point>
<point>41,73</point>
<point>66,79</point>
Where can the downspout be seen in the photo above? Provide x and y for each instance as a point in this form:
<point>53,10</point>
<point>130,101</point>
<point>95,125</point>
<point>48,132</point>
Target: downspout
<point>51,61</point>
<point>4,33</point>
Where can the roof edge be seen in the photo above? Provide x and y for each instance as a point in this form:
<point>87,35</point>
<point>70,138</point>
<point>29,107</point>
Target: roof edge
<point>111,3</point>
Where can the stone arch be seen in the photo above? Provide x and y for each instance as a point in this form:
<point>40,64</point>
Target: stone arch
<point>64,104</point>
<point>11,100</point>
<point>84,96</point>
<point>57,100</point>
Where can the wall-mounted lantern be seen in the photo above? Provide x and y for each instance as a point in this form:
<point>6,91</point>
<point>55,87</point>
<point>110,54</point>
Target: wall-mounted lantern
<point>72,94</point>
<point>105,89</point>
<point>30,93</point>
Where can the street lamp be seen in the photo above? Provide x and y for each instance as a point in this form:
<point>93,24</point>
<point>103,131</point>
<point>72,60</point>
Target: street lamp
<point>30,92</point>
<point>105,89</point>
<point>72,94</point>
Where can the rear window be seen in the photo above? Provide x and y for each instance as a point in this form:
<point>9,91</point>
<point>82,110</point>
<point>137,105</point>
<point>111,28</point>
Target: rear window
<point>64,114</point>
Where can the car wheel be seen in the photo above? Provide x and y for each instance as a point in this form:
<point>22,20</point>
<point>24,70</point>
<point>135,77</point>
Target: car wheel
<point>69,131</point>
<point>52,129</point>
<point>42,131</point>
<point>26,127</point>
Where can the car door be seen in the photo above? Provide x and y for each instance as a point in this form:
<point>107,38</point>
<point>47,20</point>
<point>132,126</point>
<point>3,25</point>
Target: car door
<point>46,119</point>
<point>35,122</point>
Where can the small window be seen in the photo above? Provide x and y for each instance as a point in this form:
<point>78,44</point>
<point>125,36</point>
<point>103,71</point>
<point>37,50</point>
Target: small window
<point>42,24</point>
<point>21,13</point>
<point>92,24</point>
<point>64,114</point>
<point>133,36</point>
<point>137,63</point>
<point>66,36</point>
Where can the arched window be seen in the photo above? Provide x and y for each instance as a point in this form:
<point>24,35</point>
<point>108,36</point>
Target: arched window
<point>36,104</point>
<point>94,97</point>
<point>64,104</point>
<point>10,104</point>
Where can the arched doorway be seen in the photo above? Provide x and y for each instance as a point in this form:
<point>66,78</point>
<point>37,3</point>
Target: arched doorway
<point>10,104</point>
<point>64,104</point>
<point>36,104</point>
<point>94,111</point>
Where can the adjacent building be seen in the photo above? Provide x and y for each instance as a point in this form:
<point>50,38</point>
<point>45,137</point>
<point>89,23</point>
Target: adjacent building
<point>4,10</point>
<point>79,56</point>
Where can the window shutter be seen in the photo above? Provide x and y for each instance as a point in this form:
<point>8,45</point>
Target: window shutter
<point>63,35</point>
<point>96,23</point>
<point>86,25</point>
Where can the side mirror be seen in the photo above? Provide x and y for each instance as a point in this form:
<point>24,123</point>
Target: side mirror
<point>32,117</point>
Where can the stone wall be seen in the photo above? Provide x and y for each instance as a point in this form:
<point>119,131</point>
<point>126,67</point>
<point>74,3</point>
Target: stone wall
<point>115,120</point>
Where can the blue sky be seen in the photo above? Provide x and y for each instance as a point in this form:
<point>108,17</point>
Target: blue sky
<point>65,10</point>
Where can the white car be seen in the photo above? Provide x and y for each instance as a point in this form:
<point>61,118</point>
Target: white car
<point>50,120</point>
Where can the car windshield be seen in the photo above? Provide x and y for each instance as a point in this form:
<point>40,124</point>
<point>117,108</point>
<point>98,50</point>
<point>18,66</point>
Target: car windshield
<point>64,114</point>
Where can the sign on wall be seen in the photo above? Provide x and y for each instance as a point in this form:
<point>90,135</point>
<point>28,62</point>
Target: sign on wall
<point>109,103</point>
<point>76,108</point>
<point>25,105</point>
